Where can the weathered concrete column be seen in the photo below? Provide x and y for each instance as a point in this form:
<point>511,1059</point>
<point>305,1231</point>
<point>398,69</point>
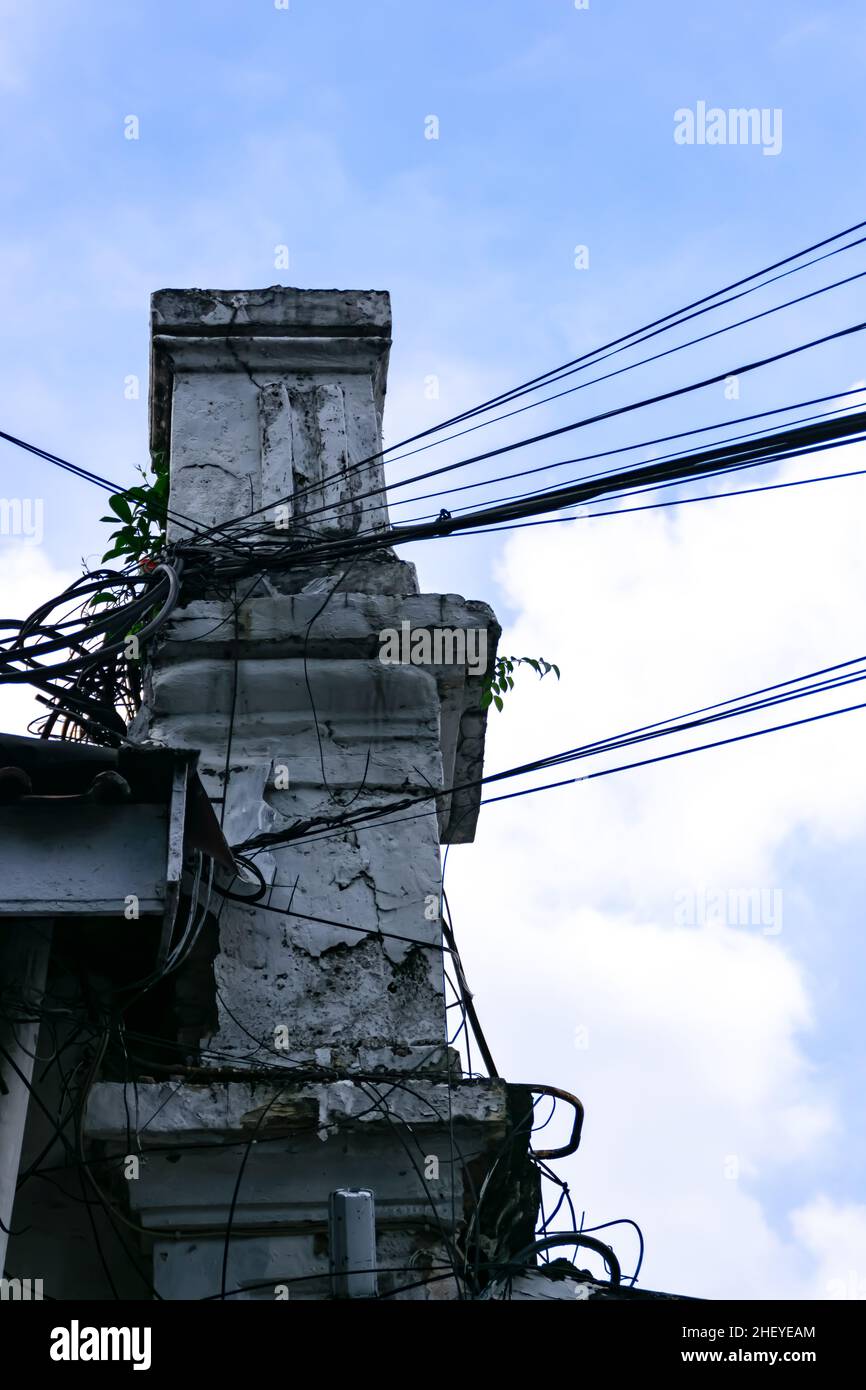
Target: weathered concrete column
<point>266,400</point>
<point>258,396</point>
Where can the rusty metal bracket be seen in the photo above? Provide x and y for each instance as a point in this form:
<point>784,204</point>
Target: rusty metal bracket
<point>577,1106</point>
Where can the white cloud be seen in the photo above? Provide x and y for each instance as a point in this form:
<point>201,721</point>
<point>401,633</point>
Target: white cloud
<point>835,1235</point>
<point>29,578</point>
<point>698,1060</point>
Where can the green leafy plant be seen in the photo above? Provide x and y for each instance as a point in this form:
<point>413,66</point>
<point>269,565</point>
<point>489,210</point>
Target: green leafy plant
<point>142,512</point>
<point>500,680</point>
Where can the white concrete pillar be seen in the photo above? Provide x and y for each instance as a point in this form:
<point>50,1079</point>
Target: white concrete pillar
<point>25,945</point>
<point>263,399</point>
<point>259,396</point>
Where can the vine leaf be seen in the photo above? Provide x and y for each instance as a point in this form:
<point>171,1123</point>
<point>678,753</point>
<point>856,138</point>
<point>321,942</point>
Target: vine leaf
<point>142,510</point>
<point>500,679</point>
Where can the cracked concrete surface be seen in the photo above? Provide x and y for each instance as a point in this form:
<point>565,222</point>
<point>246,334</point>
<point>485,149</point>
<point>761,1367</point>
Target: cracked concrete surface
<point>339,966</point>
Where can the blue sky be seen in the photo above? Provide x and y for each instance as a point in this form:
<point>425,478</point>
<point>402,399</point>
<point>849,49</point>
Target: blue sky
<point>260,128</point>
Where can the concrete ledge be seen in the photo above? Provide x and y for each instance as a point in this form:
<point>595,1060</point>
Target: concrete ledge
<point>277,311</point>
<point>275,628</point>
<point>175,1111</point>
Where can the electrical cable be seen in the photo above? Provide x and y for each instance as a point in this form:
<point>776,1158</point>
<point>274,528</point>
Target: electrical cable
<point>587,357</point>
<point>644,361</point>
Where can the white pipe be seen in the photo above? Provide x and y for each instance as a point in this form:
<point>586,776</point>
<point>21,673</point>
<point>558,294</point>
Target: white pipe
<point>25,945</point>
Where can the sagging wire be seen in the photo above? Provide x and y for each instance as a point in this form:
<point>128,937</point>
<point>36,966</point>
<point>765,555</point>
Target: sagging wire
<point>661,324</point>
<point>86,689</point>
<point>90,692</point>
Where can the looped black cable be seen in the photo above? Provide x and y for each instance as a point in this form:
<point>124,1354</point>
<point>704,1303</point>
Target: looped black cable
<point>579,1238</point>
